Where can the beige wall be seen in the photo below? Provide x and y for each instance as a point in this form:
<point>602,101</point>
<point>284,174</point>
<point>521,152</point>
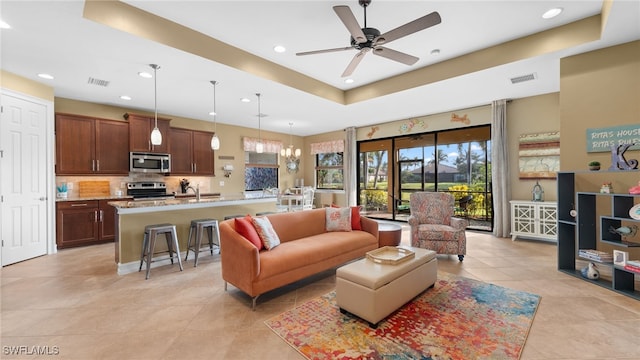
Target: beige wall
<point>598,89</point>
<point>25,86</point>
<point>531,115</point>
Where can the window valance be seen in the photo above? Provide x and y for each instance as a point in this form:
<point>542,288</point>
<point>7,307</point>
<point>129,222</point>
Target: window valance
<point>269,146</point>
<point>333,146</point>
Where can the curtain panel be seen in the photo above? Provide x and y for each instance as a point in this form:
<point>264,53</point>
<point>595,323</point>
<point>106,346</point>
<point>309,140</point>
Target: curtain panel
<point>327,147</point>
<point>269,146</point>
<point>350,167</point>
<point>500,169</point>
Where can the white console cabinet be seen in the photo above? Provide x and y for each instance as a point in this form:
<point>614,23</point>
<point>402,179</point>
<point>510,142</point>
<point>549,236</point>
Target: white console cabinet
<point>534,220</point>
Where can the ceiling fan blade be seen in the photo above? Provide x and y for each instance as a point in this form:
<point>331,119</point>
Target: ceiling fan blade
<point>409,28</point>
<point>354,62</point>
<point>324,51</point>
<point>395,55</point>
<point>345,14</point>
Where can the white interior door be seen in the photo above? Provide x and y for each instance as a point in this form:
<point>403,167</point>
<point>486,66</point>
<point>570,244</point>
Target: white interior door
<point>23,184</point>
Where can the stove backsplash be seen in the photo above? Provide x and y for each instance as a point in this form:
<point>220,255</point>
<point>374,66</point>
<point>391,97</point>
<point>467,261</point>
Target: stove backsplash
<point>119,183</point>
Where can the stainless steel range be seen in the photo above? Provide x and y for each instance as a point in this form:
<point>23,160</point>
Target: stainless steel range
<point>151,190</point>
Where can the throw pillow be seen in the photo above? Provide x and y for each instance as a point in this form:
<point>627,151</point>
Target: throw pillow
<point>355,217</point>
<point>244,227</point>
<point>338,219</point>
<point>266,232</point>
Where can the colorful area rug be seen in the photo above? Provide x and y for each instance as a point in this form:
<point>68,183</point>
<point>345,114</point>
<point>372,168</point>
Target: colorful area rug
<point>459,318</point>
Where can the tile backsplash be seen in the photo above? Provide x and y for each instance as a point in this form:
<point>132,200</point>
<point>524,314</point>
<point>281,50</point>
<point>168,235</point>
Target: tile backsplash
<point>119,183</point>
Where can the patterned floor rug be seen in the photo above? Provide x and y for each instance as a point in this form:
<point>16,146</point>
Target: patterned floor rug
<point>459,318</point>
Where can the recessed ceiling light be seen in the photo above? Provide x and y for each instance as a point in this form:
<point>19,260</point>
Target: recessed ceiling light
<point>279,49</point>
<point>551,13</point>
<point>125,97</point>
<point>145,75</point>
<point>348,81</point>
<point>435,52</point>
<point>245,100</point>
<point>4,25</point>
<point>46,76</point>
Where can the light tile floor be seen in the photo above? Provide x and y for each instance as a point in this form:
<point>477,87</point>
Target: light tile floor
<point>74,303</point>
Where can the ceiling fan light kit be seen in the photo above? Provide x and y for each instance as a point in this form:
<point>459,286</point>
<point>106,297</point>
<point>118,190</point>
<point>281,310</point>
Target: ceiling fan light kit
<point>366,38</point>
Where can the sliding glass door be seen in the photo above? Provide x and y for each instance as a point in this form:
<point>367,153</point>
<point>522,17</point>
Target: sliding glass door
<point>454,161</point>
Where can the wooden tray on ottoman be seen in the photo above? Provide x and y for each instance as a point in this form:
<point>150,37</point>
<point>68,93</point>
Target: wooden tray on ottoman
<point>390,255</point>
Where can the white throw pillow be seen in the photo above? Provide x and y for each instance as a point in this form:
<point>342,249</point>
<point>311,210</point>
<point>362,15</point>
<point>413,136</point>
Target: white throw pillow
<point>338,219</point>
<point>266,232</point>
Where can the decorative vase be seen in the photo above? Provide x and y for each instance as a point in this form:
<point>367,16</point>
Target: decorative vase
<point>594,167</point>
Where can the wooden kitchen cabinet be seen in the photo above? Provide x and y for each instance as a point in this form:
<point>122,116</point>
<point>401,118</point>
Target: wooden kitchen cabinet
<point>89,146</point>
<point>107,230</point>
<point>191,152</point>
<point>80,223</point>
<point>140,127</point>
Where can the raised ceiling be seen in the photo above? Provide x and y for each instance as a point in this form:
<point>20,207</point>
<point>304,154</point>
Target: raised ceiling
<point>482,45</point>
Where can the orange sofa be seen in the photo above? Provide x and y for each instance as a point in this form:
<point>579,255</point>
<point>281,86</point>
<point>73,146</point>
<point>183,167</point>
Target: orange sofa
<point>306,248</point>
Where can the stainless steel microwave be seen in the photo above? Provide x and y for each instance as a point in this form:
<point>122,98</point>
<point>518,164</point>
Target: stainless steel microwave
<point>149,162</point>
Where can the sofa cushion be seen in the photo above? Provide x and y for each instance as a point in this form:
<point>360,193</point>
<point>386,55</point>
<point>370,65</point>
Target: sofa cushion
<point>338,219</point>
<point>244,227</point>
<point>266,232</point>
<point>312,250</point>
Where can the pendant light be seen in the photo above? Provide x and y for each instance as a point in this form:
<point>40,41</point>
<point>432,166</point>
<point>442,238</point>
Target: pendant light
<point>215,141</point>
<point>156,136</point>
<point>259,146</point>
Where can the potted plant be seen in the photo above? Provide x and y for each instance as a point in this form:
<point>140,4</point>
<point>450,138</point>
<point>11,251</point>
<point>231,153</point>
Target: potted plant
<point>594,165</point>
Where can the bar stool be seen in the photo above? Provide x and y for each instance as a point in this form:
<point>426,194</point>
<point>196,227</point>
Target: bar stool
<point>200,226</point>
<point>233,216</point>
<point>151,233</point>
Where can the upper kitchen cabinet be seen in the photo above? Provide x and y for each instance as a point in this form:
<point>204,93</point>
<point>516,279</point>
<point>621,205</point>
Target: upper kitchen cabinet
<point>140,127</point>
<point>191,152</point>
<point>89,146</point>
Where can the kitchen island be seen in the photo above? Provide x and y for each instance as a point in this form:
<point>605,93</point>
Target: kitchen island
<point>133,216</point>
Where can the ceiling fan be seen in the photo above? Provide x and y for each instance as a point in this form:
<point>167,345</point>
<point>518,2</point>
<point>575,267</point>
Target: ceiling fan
<point>366,39</point>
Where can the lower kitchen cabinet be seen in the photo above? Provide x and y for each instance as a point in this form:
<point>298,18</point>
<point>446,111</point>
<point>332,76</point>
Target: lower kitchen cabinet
<point>80,223</point>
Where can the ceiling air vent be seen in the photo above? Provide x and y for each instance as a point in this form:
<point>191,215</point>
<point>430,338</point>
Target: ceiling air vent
<point>523,78</point>
<point>98,82</point>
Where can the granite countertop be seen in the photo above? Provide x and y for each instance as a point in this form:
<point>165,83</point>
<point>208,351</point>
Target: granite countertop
<point>89,198</point>
<point>183,202</point>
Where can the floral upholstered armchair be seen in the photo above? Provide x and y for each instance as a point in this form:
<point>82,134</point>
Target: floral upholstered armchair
<point>433,226</point>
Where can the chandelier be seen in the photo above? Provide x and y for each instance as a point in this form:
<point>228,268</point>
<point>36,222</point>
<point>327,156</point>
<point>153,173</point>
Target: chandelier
<point>291,156</point>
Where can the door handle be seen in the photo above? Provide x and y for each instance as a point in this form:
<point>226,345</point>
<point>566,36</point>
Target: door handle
<point>42,198</point>
<point>101,215</point>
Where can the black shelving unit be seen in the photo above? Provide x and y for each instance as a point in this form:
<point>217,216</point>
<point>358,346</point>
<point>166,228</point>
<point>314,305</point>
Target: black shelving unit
<point>581,226</point>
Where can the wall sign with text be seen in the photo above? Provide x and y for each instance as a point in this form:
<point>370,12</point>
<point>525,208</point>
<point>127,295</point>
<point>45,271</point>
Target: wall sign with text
<point>602,139</point>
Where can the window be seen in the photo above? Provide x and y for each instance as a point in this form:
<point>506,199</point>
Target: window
<point>329,171</point>
<point>260,171</point>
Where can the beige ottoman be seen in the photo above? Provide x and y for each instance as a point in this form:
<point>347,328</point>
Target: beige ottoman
<point>372,291</point>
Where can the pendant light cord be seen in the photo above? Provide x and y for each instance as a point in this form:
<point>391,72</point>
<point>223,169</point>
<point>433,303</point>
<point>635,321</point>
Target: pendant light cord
<point>259,120</point>
<point>215,124</point>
